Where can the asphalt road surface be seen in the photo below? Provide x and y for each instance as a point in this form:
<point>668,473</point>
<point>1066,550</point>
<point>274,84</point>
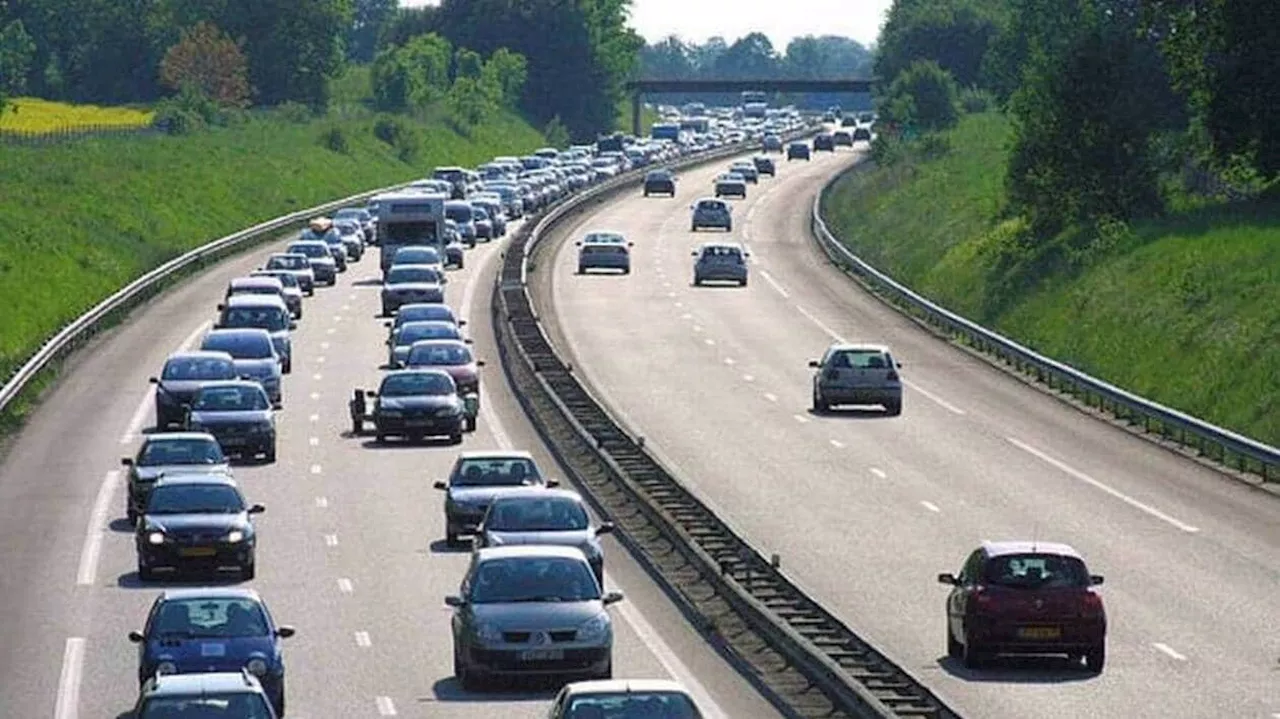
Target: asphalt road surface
<point>866,510</point>
<point>351,546</point>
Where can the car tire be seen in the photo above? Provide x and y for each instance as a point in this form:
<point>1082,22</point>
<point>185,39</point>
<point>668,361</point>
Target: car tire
<point>270,454</point>
<point>742,282</point>
<point>820,405</point>
<point>379,438</point>
<point>728,227</point>
<point>288,366</point>
<point>693,227</point>
<point>582,270</point>
<point>131,517</point>
<point>468,679</point>
<point>971,655</point>
<point>893,409</point>
<point>451,540</point>
<point>1096,658</point>
<point>607,673</point>
<point>278,703</point>
<point>386,312</point>
<point>955,649</point>
<point>626,270</point>
<point>145,574</point>
<point>697,281</point>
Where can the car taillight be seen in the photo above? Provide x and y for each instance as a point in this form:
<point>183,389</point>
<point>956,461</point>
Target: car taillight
<point>1090,604</point>
<point>892,376</point>
<point>986,601</point>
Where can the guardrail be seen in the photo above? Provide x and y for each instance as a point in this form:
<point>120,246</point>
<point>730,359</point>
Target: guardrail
<point>1209,441</point>
<point>87,324</point>
<point>804,660</point>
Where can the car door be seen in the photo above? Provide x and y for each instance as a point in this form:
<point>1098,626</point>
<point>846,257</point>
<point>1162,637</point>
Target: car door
<point>958,598</point>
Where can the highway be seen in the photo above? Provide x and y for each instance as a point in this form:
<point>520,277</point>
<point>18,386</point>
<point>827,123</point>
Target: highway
<point>351,546</point>
<point>865,511</point>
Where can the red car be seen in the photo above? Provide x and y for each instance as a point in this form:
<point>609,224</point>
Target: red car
<point>1025,598</point>
<point>452,356</point>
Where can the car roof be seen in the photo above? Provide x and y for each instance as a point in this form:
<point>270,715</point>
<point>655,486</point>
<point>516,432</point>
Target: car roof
<point>616,686</point>
<point>217,383</point>
<point>439,342</point>
<point>531,551</point>
<point>207,683</point>
<point>243,331</point>
<point>724,243</point>
<point>1007,547</point>
<point>423,306</point>
<point>254,301</point>
<point>251,280</point>
<point>859,347</point>
<point>295,243</point>
<point>187,593</point>
<point>416,371</point>
<point>288,254</point>
<point>178,437</point>
<point>199,354</point>
<point>496,454</point>
<point>415,248</point>
<point>197,478</point>
<point>536,493</point>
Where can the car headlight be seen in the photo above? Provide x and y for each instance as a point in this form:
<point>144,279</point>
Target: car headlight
<point>235,536</point>
<point>256,667</point>
<point>595,629</point>
<point>156,538</point>
<point>166,668</point>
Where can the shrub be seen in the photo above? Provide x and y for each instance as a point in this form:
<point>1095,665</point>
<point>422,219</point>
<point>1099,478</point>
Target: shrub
<point>974,100</point>
<point>335,139</point>
<point>294,112</point>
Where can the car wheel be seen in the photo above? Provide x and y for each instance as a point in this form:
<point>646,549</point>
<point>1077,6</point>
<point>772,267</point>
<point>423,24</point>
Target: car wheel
<point>742,282</point>
<point>607,672</point>
<point>971,655</point>
<point>386,311</point>
<point>1096,659</point>
<point>380,438</point>
<point>288,366</point>
<point>278,704</point>
<point>626,270</point>
<point>697,281</point>
<point>893,409</point>
<point>693,227</point>
<point>451,539</point>
<point>728,227</point>
<point>470,680</point>
<point>145,574</point>
<point>820,404</point>
<point>131,516</point>
<point>955,650</point>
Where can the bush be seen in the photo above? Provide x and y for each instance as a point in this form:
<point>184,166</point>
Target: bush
<point>974,100</point>
<point>335,139</point>
<point>924,95</point>
<point>556,133</point>
<point>934,145</point>
<point>404,139</point>
<point>887,150</point>
<point>294,112</point>
<point>175,120</point>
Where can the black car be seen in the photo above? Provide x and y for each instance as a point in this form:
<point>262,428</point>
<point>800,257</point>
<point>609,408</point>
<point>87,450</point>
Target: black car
<point>765,165</point>
<point>184,373</point>
<point>196,522</point>
<point>842,138</point>
<point>659,182</point>
<point>797,151</point>
<point>862,134</point>
<point>479,477</point>
<point>825,141</point>
<point>239,414</point>
<point>418,403</point>
<point>165,454</point>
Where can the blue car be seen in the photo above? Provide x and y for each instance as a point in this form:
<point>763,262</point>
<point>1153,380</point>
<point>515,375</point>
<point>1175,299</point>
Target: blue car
<point>194,631</point>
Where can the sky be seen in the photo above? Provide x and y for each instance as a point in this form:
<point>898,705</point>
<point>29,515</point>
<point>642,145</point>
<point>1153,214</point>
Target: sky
<point>698,20</point>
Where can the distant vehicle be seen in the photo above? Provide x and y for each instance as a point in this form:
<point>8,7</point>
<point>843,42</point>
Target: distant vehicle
<point>862,134</point>
<point>320,257</point>
<point>412,283</point>
<point>477,479</point>
<point>665,131</point>
<point>196,522</point>
<point>771,143</point>
<point>418,403</point>
<point>797,151</point>
<point>842,138</point>
<point>239,414</point>
<point>402,341</point>
<point>298,265</point>
<point>254,354</point>
<point>182,375</point>
<point>747,169</point>
<point>660,182</point>
<point>764,165</point>
<point>290,289</point>
<point>604,251</point>
<point>624,698</point>
<point>544,516</point>
<point>452,356</point>
<point>731,184</point>
<point>266,312</point>
<point>720,262</point>
<point>824,141</point>
<point>420,312</point>
<point>463,215</point>
<point>711,212</point>
<point>857,374</point>
<point>168,454</point>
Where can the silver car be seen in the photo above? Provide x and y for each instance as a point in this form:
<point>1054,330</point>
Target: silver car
<point>296,264</point>
<point>254,355</point>
<point>544,516</point>
<point>265,312</point>
<point>711,212</point>
<point>731,184</point>
<point>650,698</point>
<point>477,479</point>
<point>418,255</point>
<point>720,262</point>
<point>412,283</point>
<point>531,610</point>
<point>319,257</point>
<point>402,340</point>
<point>291,290</point>
<point>422,312</point>
<point>857,374</point>
<point>606,251</point>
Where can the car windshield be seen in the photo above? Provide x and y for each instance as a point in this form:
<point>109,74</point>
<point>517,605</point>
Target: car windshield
<point>195,499</point>
<point>198,368</point>
<point>347,229</point>
<point>417,384</point>
<point>458,213</point>
<point>496,472</point>
<point>625,705</point>
<point>239,398</point>
<point>1036,571</point>
<point>346,213</point>
<point>423,313</point>
<point>161,452</point>
<point>859,359</point>
<point>287,263</point>
<point>528,514</point>
<point>272,319</point>
<point>208,705</point>
<point>209,618</point>
<point>400,275</point>
<point>415,331</point>
<point>439,355</point>
<point>533,579</point>
<point>310,250</point>
<point>239,346</point>
<point>416,256</point>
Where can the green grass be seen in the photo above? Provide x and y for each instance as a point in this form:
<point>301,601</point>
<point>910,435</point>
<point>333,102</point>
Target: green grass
<point>85,217</point>
<point>1182,309</point>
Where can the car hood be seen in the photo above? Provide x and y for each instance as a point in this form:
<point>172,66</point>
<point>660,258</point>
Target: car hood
<point>152,473</point>
<point>523,616</point>
<point>211,654</point>
<point>210,419</point>
<point>420,402</point>
<point>574,538</point>
<point>188,522</point>
<point>482,495</point>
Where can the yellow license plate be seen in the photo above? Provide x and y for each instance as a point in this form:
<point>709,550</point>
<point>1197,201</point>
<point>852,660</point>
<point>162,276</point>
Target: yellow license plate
<point>1039,633</point>
<point>199,552</point>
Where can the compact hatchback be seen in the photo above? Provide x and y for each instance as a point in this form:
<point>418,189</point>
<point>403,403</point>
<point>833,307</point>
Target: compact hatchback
<point>711,212</point>
<point>857,375</point>
<point>1025,598</point>
<point>212,694</point>
<point>604,253</point>
<point>720,262</point>
<point>797,151</point>
<point>624,698</point>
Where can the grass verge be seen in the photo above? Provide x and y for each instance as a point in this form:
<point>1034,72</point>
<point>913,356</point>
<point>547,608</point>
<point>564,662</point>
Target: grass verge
<point>1180,309</point>
<point>33,115</point>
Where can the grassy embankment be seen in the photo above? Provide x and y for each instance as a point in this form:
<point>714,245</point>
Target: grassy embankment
<point>85,217</point>
<point>1184,309</point>
<point>30,114</point>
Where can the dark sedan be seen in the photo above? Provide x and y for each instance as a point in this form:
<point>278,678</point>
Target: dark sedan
<point>418,403</point>
<point>184,373</point>
<point>167,454</point>
<point>452,356</point>
<point>412,283</point>
<point>480,477</point>
<point>660,182</point>
<point>239,414</point>
<point>196,522</point>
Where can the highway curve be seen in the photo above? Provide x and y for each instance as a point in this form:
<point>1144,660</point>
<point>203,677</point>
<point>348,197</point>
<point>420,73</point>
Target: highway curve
<point>866,510</point>
<point>351,549</point>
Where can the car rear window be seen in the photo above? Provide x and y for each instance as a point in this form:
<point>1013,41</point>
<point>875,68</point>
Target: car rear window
<point>859,359</point>
<point>180,451</point>
<point>272,319</point>
<point>721,253</point>
<point>1036,571</point>
<point>710,205</point>
<point>416,256</point>
<point>403,274</point>
<point>239,346</point>
<point>622,705</point>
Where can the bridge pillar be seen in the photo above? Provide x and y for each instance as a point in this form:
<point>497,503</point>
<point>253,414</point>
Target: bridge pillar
<point>635,113</point>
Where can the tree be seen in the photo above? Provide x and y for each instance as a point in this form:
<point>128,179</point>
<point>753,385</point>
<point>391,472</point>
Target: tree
<point>668,59</point>
<point>369,17</point>
<point>467,63</point>
<point>209,61</point>
<point>16,50</point>
<point>505,72</point>
<point>924,95</point>
<point>413,75</point>
<point>953,33</point>
<point>750,57</point>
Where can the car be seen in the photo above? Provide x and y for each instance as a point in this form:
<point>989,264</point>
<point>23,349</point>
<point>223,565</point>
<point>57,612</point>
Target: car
<point>299,265</point>
<point>748,171</point>
<point>264,312</point>
<point>231,694</point>
<point>416,404</point>
<point>604,251</point>
<point>824,141</point>
<point>771,143</point>
<point>842,138</point>
<point>531,610</point>
<point>544,516</point>
<point>731,184</point>
<point>256,284</point>
<point>322,229</point>
<point>422,312</point>
<point>228,630</point>
<point>720,262</point>
<point>610,698</point>
<point>484,225</point>
<point>196,521</point>
<point>410,332</point>
<point>797,151</point>
<point>352,235</point>
<point>461,213</point>
<point>421,255</point>
<point>319,257</point>
<point>477,478</point>
<point>452,356</point>
<point>182,375</point>
<point>254,355</point>
<point>167,454</point>
<point>291,290</point>
<point>492,205</point>
<point>857,374</point>
<point>765,165</point>
<point>711,212</point>
<point>239,414</point>
<point>659,182</point>
<point>1019,597</point>
<point>862,134</point>
<point>412,283</point>
<point>360,215</point>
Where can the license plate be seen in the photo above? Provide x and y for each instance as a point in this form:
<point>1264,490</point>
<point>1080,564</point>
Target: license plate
<point>198,551</point>
<point>541,655</point>
<point>1039,633</point>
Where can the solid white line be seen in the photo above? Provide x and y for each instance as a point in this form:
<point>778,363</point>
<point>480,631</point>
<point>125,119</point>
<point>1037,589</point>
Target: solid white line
<point>91,551</point>
<point>331,540</point>
<point>1170,652</point>
<point>820,324</point>
<point>313,441</point>
<point>386,707</point>
<point>837,443</point>
<point>729,361</point>
<point>800,418</point>
<point>748,378</point>
<point>315,469</point>
<point>879,472</point>
<point>322,502</point>
<point>68,703</point>
<point>771,396</point>
<point>345,586</point>
<point>1104,487</point>
<point>363,640</point>
<point>709,341</point>
<point>929,506</point>
<point>935,398</point>
<point>769,278</point>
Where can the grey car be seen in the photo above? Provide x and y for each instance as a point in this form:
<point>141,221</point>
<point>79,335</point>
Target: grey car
<point>164,455</point>
<point>418,255</point>
<point>731,184</point>
<point>296,264</point>
<point>254,354</point>
<point>480,477</point>
<point>319,257</point>
<point>183,374</point>
<point>412,283</point>
<point>422,312</point>
<point>711,212</point>
<point>264,312</point>
<point>720,262</point>
<point>237,413</point>
<point>531,610</point>
<point>167,695</point>
<point>748,171</point>
<point>604,253</point>
<point>544,516</point>
<point>290,289</point>
<point>857,374</point>
<point>408,333</point>
<point>352,235</point>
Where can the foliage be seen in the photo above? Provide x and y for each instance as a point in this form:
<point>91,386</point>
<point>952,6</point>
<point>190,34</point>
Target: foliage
<point>211,62</point>
<point>16,50</point>
<point>334,139</point>
<point>975,99</point>
<point>28,114</point>
<point>368,22</point>
<point>412,75</point>
<point>923,95</point>
<point>401,135</point>
<point>556,133</point>
<point>505,74</point>
<point>955,34</point>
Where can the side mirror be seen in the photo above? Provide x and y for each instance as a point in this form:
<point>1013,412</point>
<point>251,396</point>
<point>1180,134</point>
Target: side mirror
<point>387,324</point>
<point>605,528</point>
<point>479,363</point>
<point>814,364</point>
<point>293,325</point>
<point>631,244</point>
<point>1095,579</point>
<point>370,393</point>
<point>578,243</point>
<point>136,637</point>
<point>284,632</point>
<point>221,307</point>
<point>948,578</point>
<point>218,326</point>
<point>553,483</point>
<point>153,380</point>
<point>126,461</point>
<point>611,598</point>
<point>454,601</point>
<point>187,408</point>
<point>444,486</point>
<point>898,365</point>
<point>257,509</point>
<point>693,254</point>
<point>462,323</point>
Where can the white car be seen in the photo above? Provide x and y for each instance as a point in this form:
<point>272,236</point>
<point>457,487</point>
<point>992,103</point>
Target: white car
<point>620,698</point>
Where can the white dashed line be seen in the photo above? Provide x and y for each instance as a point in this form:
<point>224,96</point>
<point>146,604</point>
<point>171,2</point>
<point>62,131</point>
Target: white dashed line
<point>769,278</point>
<point>1169,652</point>
<point>748,378</point>
<point>345,586</point>
<point>697,328</point>
<point>934,398</point>
<point>363,640</point>
<point>351,296</point>
<point>820,324</point>
<point>679,304</point>
<point>730,361</point>
<point>837,444</point>
<point>315,469</point>
<point>1104,487</point>
<point>313,441</point>
<point>330,540</point>
<point>322,502</point>
<point>315,395</point>
<point>314,418</point>
<point>320,359</point>
<point>324,345</point>
<point>386,707</point>
<point>346,308</point>
<point>686,316</point>
<point>332,330</point>
<point>317,376</point>
<point>800,418</point>
<point>878,472</point>
<point>337,318</point>
<point>670,294</point>
<point>709,341</point>
<point>771,397</point>
<point>68,702</point>
<point>91,551</point>
<point>929,506</point>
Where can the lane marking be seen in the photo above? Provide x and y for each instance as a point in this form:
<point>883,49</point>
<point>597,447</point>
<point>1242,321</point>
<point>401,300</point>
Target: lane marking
<point>322,502</point>
<point>337,318</point>
<point>331,540</point>
<point>346,308</point>
<point>332,330</point>
<point>315,469</point>
<point>134,427</point>
<point>317,376</point>
<point>1169,652</point>
<point>386,707</point>
<point>820,324</point>
<point>345,586</point>
<point>709,341</point>
<point>363,640</point>
<point>781,290</point>
<point>91,551</point>
<point>68,702</point>
<point>670,294</point>
<point>351,296</point>
<point>879,472</point>
<point>934,398</point>
<point>320,359</point>
<point>748,378</point>
<point>313,441</point>
<point>1068,469</point>
<point>324,345</point>
<point>837,444</point>
<point>315,395</point>
<point>771,397</point>
<point>686,316</point>
<point>697,328</point>
<point>679,304</point>
<point>800,418</point>
<point>729,361</point>
<point>929,506</point>
<point>314,418</point>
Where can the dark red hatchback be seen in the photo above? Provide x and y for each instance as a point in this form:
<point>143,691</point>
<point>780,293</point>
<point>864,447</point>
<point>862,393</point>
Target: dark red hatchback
<point>1025,598</point>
